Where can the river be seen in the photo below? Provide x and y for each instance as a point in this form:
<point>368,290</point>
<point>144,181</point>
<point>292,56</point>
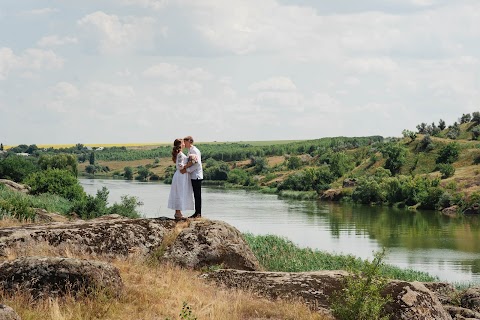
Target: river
<point>422,240</point>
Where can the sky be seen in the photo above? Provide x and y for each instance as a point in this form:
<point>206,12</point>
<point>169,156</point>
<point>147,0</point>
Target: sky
<point>146,71</point>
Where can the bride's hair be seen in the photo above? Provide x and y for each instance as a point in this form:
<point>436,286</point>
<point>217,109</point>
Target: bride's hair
<point>177,147</point>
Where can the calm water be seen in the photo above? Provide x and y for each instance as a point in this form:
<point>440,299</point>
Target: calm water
<point>446,247</point>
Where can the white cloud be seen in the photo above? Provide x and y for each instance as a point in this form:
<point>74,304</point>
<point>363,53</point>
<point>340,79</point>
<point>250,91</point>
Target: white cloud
<point>151,4</point>
<point>55,40</point>
<point>113,34</point>
<point>171,71</point>
<point>40,12</point>
<point>275,84</point>
<point>31,60</point>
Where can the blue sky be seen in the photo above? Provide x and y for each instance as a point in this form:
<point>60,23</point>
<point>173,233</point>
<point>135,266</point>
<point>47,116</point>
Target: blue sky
<point>124,71</point>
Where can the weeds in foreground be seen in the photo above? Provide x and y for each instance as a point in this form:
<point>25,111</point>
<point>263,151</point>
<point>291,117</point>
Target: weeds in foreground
<point>361,298</point>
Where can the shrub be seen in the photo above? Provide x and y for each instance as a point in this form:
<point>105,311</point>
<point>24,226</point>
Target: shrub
<point>294,163</point>
<point>56,181</point>
<point>446,169</point>
<point>426,144</point>
<point>449,153</point>
<point>368,191</point>
<point>239,177</point>
<point>361,297</point>
<point>17,168</point>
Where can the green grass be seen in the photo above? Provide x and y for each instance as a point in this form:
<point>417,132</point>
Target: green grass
<point>279,254</point>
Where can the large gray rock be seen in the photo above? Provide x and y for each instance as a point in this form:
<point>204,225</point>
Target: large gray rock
<point>470,299</point>
<point>15,186</point>
<point>193,243</point>
<point>104,237</point>
<point>7,313</point>
<point>208,243</point>
<point>409,300</point>
<point>412,300</point>
<point>46,276</point>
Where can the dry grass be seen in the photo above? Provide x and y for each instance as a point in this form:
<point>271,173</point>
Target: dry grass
<point>152,291</point>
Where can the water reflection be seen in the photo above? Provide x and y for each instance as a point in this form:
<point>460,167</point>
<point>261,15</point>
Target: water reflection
<point>426,241</point>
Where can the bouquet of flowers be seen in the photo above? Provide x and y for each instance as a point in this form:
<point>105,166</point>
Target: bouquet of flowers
<point>192,158</point>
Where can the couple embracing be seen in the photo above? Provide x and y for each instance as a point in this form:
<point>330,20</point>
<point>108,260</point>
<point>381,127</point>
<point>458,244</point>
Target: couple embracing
<point>187,180</point>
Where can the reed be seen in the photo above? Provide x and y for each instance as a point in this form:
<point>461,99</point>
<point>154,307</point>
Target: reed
<point>279,254</point>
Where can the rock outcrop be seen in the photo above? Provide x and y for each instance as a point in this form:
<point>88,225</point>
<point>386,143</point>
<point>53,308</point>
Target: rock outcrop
<point>47,276</point>
<point>7,313</point>
<point>410,300</point>
<point>194,244</point>
<point>15,186</point>
<point>206,243</point>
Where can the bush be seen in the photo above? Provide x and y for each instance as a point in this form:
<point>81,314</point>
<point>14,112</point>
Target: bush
<point>56,181</point>
<point>449,153</point>
<point>361,298</point>
<point>17,168</point>
<point>446,169</point>
<point>294,162</point>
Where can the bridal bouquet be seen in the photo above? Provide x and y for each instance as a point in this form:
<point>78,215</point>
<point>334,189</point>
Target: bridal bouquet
<point>192,158</point>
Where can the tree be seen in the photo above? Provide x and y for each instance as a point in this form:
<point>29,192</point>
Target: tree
<point>395,155</point>
<point>143,173</point>
<point>59,161</point>
<point>17,168</point>
<point>294,162</point>
<point>56,181</point>
<point>476,132</point>
<point>128,173</point>
<point>449,153</point>
<point>1,146</point>
<point>92,158</point>
<point>422,128</point>
<point>466,117</point>
<point>441,124</point>
<point>476,117</point>
<point>410,134</point>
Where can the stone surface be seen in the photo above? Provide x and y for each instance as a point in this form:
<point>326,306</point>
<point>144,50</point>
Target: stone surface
<point>199,243</point>
<point>445,292</point>
<point>332,195</point>
<point>470,298</point>
<point>7,313</point>
<point>409,300</point>
<point>47,276</point>
<point>412,300</point>
<point>15,186</point>
<point>209,243</point>
<point>104,237</point>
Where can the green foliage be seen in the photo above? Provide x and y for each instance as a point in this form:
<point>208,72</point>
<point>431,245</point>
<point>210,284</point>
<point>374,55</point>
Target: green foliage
<point>466,117</point>
<point>309,179</point>
<point>128,173</point>
<point>361,298</point>
<point>280,254</point>
<point>449,153</point>
<point>17,168</point>
<point>395,156</point>
<point>340,163</point>
<point>216,170</point>
<point>453,131</point>
<point>259,164</point>
<point>143,173</point>
<point>96,206</point>
<point>294,162</point>
<point>476,117</point>
<point>476,132</point>
<point>368,191</point>
<point>92,158</point>
<point>59,161</point>
<point>426,144</point>
<point>16,206</point>
<point>409,134</point>
<point>186,313</point>
<point>239,177</point>
<point>441,124</point>
<point>446,169</point>
<point>56,181</point>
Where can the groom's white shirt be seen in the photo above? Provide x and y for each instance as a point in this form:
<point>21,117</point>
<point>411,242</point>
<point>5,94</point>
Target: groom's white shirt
<point>196,170</point>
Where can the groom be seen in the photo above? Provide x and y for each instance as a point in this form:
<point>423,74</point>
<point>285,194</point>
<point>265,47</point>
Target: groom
<point>196,174</point>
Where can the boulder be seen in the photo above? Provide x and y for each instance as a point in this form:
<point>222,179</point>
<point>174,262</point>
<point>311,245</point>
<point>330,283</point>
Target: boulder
<point>15,186</point>
<point>470,298</point>
<point>450,211</point>
<point>332,195</point>
<point>7,313</point>
<point>47,276</point>
<point>104,237</point>
<point>349,183</point>
<point>194,243</point>
<point>412,300</point>
<point>41,215</point>
<point>459,313</point>
<point>207,243</point>
<point>409,300</point>
<point>445,292</point>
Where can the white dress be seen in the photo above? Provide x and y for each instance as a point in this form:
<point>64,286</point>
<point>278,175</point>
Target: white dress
<point>181,191</point>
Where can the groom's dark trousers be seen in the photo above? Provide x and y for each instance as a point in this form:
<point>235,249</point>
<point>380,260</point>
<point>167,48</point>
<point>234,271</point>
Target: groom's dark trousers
<point>197,194</point>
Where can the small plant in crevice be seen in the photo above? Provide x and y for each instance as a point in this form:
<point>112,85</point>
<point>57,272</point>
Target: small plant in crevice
<point>186,313</point>
<point>361,297</point>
